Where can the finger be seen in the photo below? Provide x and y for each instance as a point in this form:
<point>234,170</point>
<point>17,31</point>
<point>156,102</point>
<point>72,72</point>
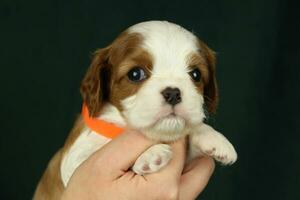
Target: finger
<point>117,156</point>
<point>174,168</point>
<point>195,177</point>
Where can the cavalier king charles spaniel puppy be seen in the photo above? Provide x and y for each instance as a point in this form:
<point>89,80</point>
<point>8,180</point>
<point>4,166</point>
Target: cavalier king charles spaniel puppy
<point>157,78</point>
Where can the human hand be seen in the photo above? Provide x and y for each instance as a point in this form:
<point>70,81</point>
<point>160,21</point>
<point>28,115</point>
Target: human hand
<point>107,175</point>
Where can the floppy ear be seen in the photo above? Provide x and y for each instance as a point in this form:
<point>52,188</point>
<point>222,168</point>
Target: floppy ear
<point>211,88</point>
<point>95,84</point>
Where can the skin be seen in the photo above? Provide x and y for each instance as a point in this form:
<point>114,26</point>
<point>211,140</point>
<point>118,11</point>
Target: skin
<point>107,175</point>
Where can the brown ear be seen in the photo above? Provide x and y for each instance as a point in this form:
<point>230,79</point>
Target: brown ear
<point>211,88</point>
<point>95,84</point>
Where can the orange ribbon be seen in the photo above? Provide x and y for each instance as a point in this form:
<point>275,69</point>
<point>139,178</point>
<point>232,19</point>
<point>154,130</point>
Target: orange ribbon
<point>101,127</point>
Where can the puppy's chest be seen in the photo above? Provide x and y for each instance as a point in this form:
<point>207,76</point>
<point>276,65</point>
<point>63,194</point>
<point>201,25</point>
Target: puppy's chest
<point>86,144</point>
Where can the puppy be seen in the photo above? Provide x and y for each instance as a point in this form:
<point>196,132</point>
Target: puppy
<point>155,77</point>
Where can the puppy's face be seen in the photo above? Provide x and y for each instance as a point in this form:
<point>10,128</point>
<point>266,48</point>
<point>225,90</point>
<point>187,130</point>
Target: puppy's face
<point>158,75</point>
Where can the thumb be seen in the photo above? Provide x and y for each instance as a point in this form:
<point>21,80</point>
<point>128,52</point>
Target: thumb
<point>195,177</point>
<point>117,156</point>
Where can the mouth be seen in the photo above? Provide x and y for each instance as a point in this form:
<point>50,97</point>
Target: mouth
<point>168,127</point>
<point>171,121</point>
<point>171,115</point>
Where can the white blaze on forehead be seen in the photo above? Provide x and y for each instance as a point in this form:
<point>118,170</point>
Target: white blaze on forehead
<point>169,44</point>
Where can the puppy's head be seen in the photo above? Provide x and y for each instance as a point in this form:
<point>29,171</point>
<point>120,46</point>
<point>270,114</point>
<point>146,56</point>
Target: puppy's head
<point>158,75</point>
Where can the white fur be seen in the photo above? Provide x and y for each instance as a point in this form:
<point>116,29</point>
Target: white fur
<point>87,143</point>
<point>111,114</point>
<point>146,111</point>
<point>204,140</point>
<point>169,45</point>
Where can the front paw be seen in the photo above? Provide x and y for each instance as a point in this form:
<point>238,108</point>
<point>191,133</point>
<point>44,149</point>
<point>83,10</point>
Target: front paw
<point>214,144</point>
<point>153,159</point>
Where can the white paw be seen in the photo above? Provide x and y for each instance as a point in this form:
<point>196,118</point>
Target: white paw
<point>214,144</point>
<point>153,159</point>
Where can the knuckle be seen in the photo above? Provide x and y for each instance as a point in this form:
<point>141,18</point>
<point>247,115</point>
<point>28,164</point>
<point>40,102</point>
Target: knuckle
<point>171,194</point>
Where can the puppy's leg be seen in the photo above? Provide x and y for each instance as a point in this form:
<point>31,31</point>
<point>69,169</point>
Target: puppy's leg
<point>207,141</point>
<point>153,159</point>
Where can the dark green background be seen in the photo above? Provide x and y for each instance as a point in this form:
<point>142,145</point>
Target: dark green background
<point>45,50</point>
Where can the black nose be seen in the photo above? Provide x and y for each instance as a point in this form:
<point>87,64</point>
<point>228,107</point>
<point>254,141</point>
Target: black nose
<point>172,95</point>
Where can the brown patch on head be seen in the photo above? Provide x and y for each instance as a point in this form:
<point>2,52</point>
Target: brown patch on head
<point>197,61</point>
<point>205,61</point>
<point>106,79</point>
<point>122,87</point>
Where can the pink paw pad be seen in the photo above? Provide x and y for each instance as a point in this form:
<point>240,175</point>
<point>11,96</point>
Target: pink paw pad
<point>146,167</point>
<point>209,152</point>
<point>158,161</point>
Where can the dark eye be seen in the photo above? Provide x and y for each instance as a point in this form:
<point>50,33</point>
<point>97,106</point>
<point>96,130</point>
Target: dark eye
<point>195,74</point>
<point>136,74</point>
